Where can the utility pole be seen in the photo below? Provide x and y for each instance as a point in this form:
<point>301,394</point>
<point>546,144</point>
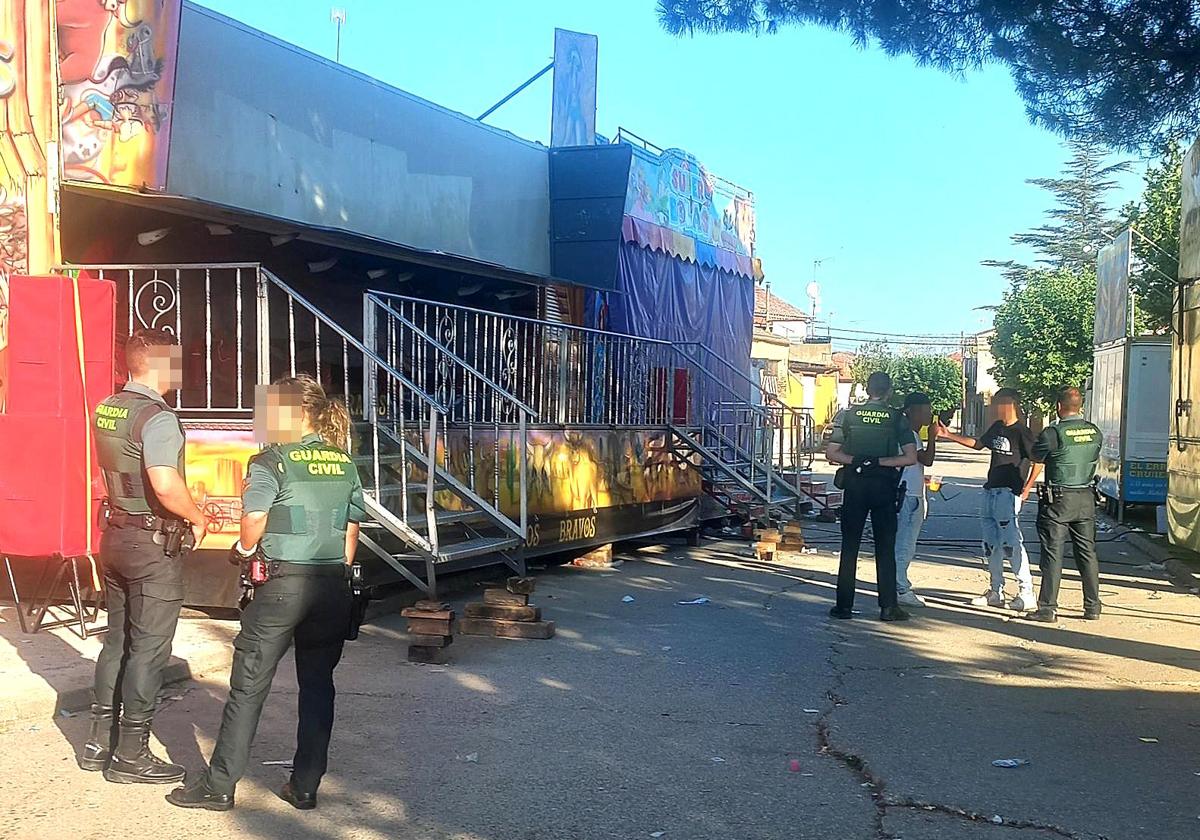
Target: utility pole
<point>338,16</point>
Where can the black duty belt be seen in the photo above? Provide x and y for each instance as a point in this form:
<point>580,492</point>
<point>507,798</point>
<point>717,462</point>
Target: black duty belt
<point>145,521</point>
<point>279,568</point>
<point>1062,488</point>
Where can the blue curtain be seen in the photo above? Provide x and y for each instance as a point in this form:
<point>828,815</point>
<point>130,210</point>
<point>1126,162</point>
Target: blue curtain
<point>660,296</point>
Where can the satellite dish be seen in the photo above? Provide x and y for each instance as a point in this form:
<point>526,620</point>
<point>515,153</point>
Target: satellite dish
<point>814,291</point>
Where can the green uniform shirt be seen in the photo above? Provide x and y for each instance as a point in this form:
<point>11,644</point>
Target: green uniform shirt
<point>135,429</point>
<point>310,491</point>
<point>1070,449</point>
<point>871,430</point>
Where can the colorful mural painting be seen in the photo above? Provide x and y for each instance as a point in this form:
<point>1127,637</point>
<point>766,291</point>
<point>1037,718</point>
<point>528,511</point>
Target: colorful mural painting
<point>573,474</point>
<point>674,191</point>
<point>571,469</point>
<point>27,233</point>
<point>216,465</point>
<point>116,64</point>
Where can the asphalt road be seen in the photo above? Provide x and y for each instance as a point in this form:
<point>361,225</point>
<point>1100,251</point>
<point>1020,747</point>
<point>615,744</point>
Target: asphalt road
<point>753,716</point>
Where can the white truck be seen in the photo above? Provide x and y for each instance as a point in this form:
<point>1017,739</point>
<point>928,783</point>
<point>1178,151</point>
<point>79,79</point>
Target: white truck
<point>1130,401</point>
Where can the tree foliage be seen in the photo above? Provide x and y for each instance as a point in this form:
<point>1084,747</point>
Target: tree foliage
<point>1156,245</point>
<point>1080,220</point>
<point>1123,72</point>
<point>1044,334</point>
<point>1045,322</point>
<point>938,376</point>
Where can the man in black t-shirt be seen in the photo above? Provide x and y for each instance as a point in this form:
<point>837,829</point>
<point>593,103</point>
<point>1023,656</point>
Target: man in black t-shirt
<point>1011,474</point>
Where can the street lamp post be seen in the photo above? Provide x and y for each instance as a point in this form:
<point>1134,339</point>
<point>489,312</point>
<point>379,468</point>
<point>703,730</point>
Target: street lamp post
<point>338,16</point>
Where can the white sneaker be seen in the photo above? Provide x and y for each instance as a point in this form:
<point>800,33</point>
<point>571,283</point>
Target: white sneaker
<point>910,599</point>
<point>1021,604</point>
<point>991,598</point>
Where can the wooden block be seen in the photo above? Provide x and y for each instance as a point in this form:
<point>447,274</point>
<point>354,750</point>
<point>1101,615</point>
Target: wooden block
<point>793,536</point>
<point>504,597</point>
<point>506,612</point>
<point>771,535</point>
<point>521,585</point>
<point>506,629</point>
<point>600,558</point>
<point>429,626</point>
<point>437,615</point>
<point>430,641</point>
<point>431,606</point>
<point>765,551</point>
<point>428,655</point>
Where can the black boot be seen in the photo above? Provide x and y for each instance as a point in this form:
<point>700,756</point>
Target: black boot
<point>198,795</point>
<point>132,762</point>
<point>98,749</point>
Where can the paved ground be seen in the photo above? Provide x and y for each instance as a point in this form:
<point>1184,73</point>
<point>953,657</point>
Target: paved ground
<point>753,716</point>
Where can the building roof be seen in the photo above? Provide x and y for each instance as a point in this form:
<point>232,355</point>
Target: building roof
<point>770,308</point>
<point>844,360</point>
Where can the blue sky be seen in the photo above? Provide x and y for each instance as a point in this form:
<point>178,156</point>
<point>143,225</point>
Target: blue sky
<point>900,178</point>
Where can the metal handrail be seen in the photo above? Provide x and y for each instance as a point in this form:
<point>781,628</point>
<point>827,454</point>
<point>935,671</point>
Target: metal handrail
<point>523,318</point>
<point>461,362</point>
<point>355,343</point>
<point>741,402</point>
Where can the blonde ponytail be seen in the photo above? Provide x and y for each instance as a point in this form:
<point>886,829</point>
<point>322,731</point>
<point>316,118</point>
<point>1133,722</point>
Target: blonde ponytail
<point>327,415</point>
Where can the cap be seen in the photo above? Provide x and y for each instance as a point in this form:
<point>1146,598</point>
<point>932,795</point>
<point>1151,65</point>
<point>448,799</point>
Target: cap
<point>916,398</point>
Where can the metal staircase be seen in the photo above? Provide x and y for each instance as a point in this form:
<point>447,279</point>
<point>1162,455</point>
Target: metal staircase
<point>755,451</point>
<point>444,396</point>
<point>425,518</point>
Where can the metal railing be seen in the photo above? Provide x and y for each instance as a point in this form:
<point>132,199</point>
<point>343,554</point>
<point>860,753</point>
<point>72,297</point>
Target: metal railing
<point>793,433</point>
<point>240,326</point>
<point>561,373</point>
<point>210,309</point>
<point>479,411</point>
<point>576,376</point>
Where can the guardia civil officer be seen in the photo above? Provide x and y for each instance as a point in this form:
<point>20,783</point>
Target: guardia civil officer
<point>871,442</point>
<point>140,444</point>
<point>1070,450</point>
<point>301,508</point>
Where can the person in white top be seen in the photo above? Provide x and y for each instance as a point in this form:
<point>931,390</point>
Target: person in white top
<point>919,412</point>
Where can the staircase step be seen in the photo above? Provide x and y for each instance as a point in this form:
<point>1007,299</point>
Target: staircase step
<point>476,547</point>
<point>420,522</point>
<point>414,488</point>
<point>384,458</point>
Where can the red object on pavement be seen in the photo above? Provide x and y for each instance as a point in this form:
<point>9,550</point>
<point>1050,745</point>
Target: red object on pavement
<point>45,435</point>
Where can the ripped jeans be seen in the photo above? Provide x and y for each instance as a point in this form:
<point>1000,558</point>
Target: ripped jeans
<point>1000,513</point>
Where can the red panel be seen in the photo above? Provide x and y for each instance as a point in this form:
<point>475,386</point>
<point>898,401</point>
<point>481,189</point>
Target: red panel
<point>43,357</point>
<point>45,434</point>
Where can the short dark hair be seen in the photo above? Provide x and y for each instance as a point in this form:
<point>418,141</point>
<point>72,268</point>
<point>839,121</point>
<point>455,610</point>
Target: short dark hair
<point>917,398</point>
<point>137,347</point>
<point>1070,397</point>
<point>878,384</point>
<point>1008,394</point>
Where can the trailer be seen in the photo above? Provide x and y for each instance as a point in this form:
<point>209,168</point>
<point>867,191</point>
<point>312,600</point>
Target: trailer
<point>1130,402</point>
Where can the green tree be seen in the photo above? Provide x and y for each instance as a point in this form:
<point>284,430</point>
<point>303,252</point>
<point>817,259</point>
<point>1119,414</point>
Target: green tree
<point>1044,333</point>
<point>1081,222</point>
<point>938,376</point>
<point>1044,323</point>
<point>1156,244</point>
<point>1124,72</point>
<point>870,357</point>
